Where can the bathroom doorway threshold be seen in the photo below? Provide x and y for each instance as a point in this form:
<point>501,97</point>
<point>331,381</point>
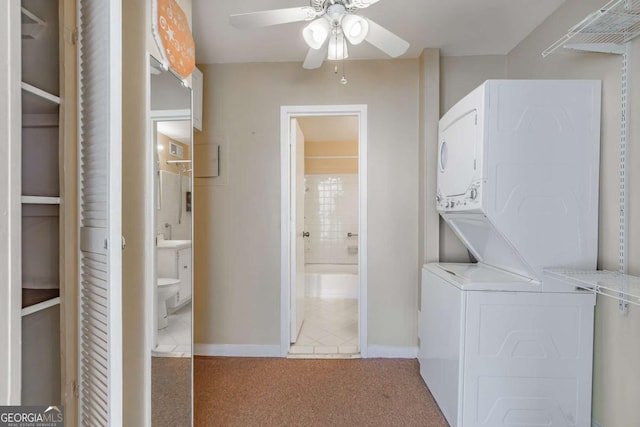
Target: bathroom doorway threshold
<point>324,356</point>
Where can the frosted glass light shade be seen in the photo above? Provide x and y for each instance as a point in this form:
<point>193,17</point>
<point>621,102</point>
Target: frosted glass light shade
<point>316,33</point>
<point>355,28</point>
<point>337,48</point>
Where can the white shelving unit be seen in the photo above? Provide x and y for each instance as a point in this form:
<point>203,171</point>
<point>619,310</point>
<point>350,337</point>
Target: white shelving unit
<point>40,147</point>
<point>609,30</point>
<point>40,203</point>
<point>606,30</point>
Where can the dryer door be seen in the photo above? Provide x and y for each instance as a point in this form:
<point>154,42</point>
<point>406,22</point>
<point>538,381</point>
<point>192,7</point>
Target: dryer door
<point>457,155</point>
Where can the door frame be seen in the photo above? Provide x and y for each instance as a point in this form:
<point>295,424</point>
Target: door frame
<point>286,114</point>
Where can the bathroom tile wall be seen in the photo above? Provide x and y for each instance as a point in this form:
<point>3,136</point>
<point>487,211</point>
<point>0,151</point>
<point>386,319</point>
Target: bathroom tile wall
<point>331,211</point>
<point>167,213</point>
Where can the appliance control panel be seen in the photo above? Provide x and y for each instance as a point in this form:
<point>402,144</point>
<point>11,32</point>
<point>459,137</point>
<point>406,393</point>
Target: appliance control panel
<point>469,201</point>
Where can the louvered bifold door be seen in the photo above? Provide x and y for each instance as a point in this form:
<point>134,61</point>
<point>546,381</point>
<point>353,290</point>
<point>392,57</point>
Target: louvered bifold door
<point>100,300</point>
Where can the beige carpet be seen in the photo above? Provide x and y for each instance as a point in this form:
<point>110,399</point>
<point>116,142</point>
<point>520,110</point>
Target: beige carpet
<point>170,392</point>
<point>293,392</point>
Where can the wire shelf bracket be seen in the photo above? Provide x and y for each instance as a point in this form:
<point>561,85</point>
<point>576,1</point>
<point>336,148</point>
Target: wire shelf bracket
<point>606,30</point>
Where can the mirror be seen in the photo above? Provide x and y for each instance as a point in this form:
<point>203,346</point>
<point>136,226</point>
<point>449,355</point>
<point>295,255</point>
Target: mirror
<point>170,138</point>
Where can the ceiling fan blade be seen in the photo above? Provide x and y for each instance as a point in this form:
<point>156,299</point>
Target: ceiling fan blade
<point>315,58</point>
<point>385,40</point>
<point>272,17</point>
<point>361,4</point>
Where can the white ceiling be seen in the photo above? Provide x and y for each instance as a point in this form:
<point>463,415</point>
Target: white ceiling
<point>457,27</point>
<point>178,130</point>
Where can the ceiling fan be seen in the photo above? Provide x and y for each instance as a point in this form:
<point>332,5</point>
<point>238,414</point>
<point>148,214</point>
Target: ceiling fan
<point>333,24</point>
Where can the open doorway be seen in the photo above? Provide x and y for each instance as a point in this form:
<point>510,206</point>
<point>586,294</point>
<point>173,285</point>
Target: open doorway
<point>324,230</point>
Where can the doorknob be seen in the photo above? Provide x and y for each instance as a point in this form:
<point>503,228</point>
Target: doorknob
<point>305,234</point>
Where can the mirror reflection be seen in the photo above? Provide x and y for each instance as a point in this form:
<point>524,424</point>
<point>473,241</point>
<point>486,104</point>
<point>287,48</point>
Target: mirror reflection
<point>171,139</point>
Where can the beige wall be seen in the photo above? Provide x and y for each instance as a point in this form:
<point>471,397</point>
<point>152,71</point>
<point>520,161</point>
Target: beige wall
<point>237,218</point>
<point>459,75</point>
<point>330,148</point>
<point>429,115</point>
<point>163,155</point>
<point>133,209</point>
<point>330,166</point>
<point>617,344</point>
<point>329,161</point>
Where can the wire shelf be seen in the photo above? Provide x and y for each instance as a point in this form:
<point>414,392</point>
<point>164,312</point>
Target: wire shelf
<point>605,30</point>
<point>611,284</point>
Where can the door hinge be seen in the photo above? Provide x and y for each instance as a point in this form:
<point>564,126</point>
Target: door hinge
<point>106,244</point>
<point>71,36</point>
<point>75,389</point>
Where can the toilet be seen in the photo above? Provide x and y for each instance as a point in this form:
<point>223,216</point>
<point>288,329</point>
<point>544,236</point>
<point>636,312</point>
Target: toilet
<point>167,288</point>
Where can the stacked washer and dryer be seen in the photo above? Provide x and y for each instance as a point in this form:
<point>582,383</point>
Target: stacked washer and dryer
<point>501,342</point>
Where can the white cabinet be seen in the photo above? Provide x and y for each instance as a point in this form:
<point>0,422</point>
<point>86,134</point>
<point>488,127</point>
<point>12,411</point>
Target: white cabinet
<point>175,262</point>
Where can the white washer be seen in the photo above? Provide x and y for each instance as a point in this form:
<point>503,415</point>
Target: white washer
<point>495,351</point>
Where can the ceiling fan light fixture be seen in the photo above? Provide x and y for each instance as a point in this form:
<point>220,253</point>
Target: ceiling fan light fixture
<point>316,33</point>
<point>337,50</point>
<point>355,28</point>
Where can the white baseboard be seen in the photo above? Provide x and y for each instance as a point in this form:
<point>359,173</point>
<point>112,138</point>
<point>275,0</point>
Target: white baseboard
<point>392,352</point>
<point>237,350</point>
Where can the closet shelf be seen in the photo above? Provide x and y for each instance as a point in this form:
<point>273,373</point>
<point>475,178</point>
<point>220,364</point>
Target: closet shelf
<point>40,200</point>
<point>34,300</point>
<point>41,93</point>
<point>32,25</point>
<point>611,284</point>
<point>604,31</point>
<point>40,120</point>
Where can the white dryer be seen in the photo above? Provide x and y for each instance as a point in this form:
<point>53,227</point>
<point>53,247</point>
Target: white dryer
<point>500,343</point>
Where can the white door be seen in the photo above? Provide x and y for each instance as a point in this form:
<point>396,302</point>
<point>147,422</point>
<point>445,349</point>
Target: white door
<point>100,139</point>
<point>297,227</point>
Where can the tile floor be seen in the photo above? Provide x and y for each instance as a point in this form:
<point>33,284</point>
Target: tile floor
<point>330,328</point>
<point>175,339</point>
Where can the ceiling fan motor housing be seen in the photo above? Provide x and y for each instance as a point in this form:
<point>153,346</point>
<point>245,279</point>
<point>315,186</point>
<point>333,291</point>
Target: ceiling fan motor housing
<point>322,6</point>
<point>318,5</point>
